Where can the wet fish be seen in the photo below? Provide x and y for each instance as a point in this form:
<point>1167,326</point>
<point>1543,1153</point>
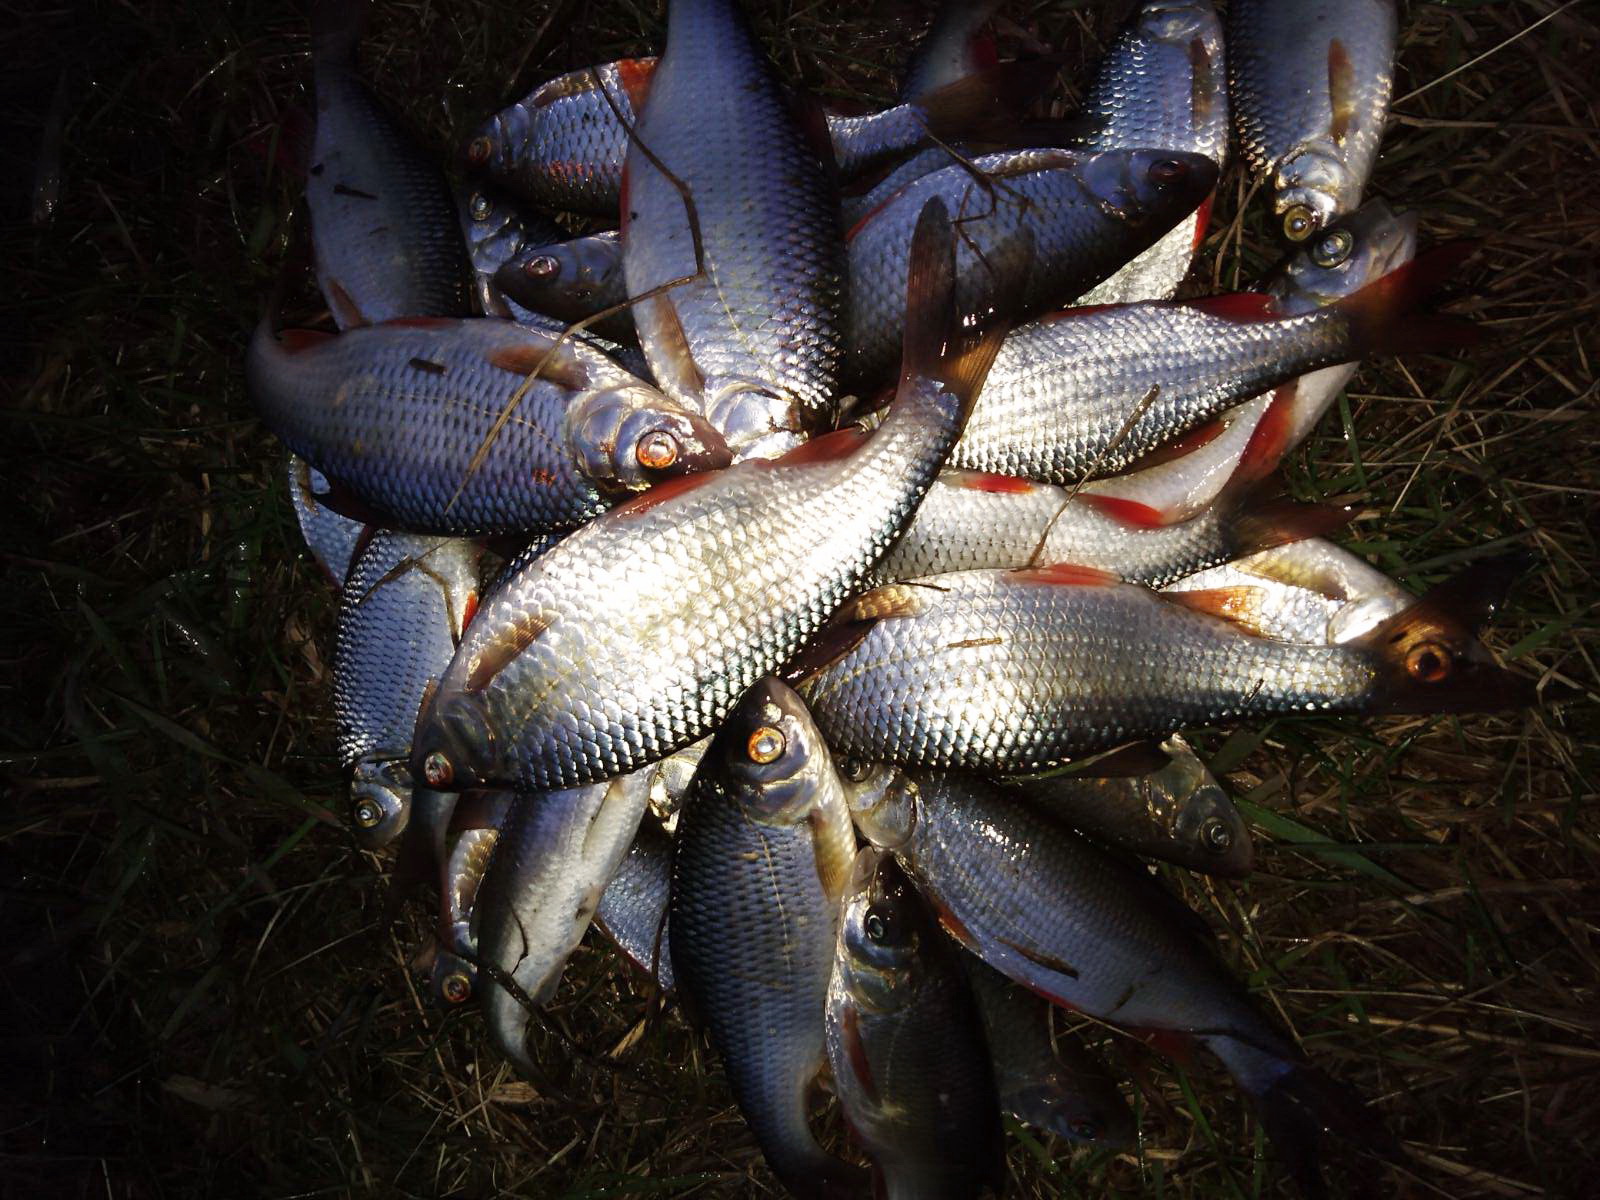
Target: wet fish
<point>383,223</point>
<point>571,279</point>
<point>555,855</point>
<point>599,659</point>
<point>1060,1087</point>
<point>398,414</point>
<point>906,1043</point>
<point>730,240</point>
<point>1021,671</point>
<point>498,229</point>
<point>1379,243</point>
<point>1088,391</point>
<point>1093,933</point>
<point>633,908</point>
<point>1178,814</point>
<point>380,802</point>
<point>454,978</point>
<point>401,616</point>
<point>971,520</point>
<point>672,776</point>
<point>331,538</point>
<point>1163,82</point>
<point>762,857</point>
<point>1310,82</point>
<point>1040,226</point>
<point>1312,592</point>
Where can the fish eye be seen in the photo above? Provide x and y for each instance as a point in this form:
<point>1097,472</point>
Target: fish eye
<point>1333,248</point>
<point>438,770</point>
<point>1428,662</point>
<point>765,744</point>
<point>874,926</point>
<point>1086,1129</point>
<point>1298,222</point>
<point>478,150</point>
<point>542,266</point>
<point>1165,171</point>
<point>854,769</point>
<point>481,206</point>
<point>367,814</point>
<point>456,988</point>
<point>656,451</point>
<point>1216,835</point>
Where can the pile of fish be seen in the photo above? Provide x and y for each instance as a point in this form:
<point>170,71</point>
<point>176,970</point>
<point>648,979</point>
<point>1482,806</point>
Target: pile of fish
<point>805,576</point>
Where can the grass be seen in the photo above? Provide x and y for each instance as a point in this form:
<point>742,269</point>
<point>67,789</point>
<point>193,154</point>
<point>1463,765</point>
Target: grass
<point>205,994</point>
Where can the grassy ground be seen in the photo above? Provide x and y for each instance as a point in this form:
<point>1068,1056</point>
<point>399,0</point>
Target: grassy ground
<point>204,993</point>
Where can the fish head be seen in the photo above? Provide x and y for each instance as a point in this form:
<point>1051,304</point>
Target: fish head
<point>629,437</point>
<point>882,799</point>
<point>882,930</point>
<point>380,802</point>
<point>1197,812</point>
<point>1093,1113</point>
<point>1360,616</point>
<point>1346,256</point>
<point>453,980</point>
<point>1313,187</point>
<point>491,148</point>
<point>756,420</point>
<point>773,757</point>
<point>1155,188</point>
<point>456,745</point>
<point>1175,21</point>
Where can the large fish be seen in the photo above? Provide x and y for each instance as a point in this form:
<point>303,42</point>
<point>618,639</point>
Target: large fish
<point>633,908</point>
<point>761,860</point>
<point>1020,671</point>
<point>1096,934</point>
<point>1177,813</point>
<point>1087,391</point>
<point>1060,1087</point>
<point>401,616</point>
<point>1038,225</point>
<point>906,1044</point>
<point>433,422</point>
<point>1310,82</point>
<point>1365,247</point>
<point>730,240</point>
<point>383,223</point>
<point>637,634</point>
<point>553,859</point>
<point>1162,83</point>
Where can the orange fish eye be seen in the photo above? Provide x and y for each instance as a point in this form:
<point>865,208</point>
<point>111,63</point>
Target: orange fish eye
<point>478,149</point>
<point>765,745</point>
<point>456,988</point>
<point>657,450</point>
<point>1428,662</point>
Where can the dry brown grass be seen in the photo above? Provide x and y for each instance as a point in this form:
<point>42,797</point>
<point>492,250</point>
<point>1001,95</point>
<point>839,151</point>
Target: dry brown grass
<point>206,996</point>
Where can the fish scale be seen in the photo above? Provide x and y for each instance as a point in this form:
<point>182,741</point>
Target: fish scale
<point>633,908</point>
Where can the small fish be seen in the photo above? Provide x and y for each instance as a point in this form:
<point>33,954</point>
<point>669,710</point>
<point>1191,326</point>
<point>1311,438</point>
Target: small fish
<point>1062,1087</point>
<point>497,229</point>
<point>559,450</point>
<point>401,615</point>
<point>1039,226</point>
<point>1163,83</point>
<point>380,802</point>
<point>1021,671</point>
<point>597,661</point>
<point>633,908</point>
<point>454,979</point>
<point>331,538</point>
<point>383,223</point>
<point>554,857</point>
<point>761,860</point>
<point>1178,814</point>
<point>1310,82</point>
<point>906,1043</point>
<point>571,279</point>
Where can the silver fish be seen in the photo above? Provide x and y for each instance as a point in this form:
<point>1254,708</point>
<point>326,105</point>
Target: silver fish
<point>380,802</point>
<point>906,1043</point>
<point>331,538</point>
<point>599,659</point>
<point>497,230</point>
<point>633,908</point>
<point>762,856</point>
<point>1310,82</point>
<point>571,279</point>
<point>454,978</point>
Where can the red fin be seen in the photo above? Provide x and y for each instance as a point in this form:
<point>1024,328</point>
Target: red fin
<point>1239,606</point>
<point>1269,440</point>
<point>635,75</point>
<point>1202,222</point>
<point>1244,308</point>
<point>347,313</point>
<point>952,924</point>
<point>1341,90</point>
<point>661,492</point>
<point>469,610</point>
<point>556,364</point>
<point>984,481</point>
<point>830,447</point>
<point>1125,512</point>
<point>293,341</point>
<point>1263,521</point>
<point>1070,575</point>
<point>495,654</point>
<point>1170,1043</point>
<point>988,103</point>
<point>1382,317</point>
<point>421,322</point>
<point>1428,657</point>
<point>856,1051</point>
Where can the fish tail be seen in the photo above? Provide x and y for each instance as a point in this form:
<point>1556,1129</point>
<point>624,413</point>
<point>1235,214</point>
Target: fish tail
<point>1428,656</point>
<point>986,105</point>
<point>1383,316</point>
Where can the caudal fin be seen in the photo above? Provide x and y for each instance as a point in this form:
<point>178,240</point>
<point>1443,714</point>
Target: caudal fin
<point>1384,316</point>
<point>987,104</point>
<point>1428,656</point>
